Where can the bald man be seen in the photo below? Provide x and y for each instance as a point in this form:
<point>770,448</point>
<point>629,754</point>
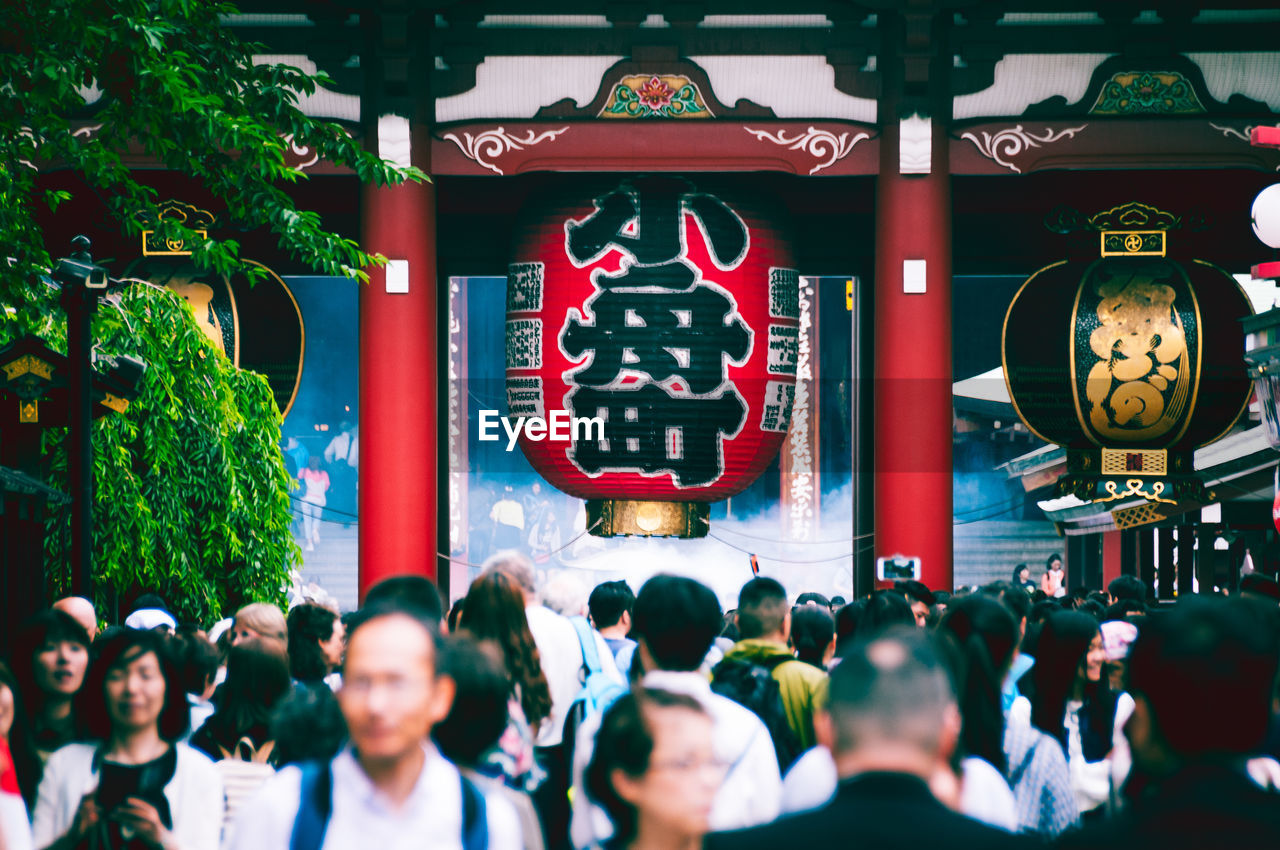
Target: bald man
<point>80,610</point>
<point>891,723</point>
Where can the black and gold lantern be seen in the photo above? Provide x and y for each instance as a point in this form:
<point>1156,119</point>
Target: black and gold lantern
<point>1130,359</point>
<point>257,326</point>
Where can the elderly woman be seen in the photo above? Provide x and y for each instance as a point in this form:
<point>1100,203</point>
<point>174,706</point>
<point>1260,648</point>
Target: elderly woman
<point>136,785</point>
<point>653,770</point>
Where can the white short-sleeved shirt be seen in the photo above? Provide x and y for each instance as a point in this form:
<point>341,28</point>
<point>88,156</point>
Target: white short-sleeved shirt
<point>362,817</point>
<point>811,782</point>
<point>194,795</point>
<point>985,795</point>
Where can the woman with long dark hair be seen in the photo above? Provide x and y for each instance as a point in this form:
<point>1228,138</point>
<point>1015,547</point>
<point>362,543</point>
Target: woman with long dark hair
<point>1073,703</point>
<point>494,611</point>
<point>49,663</point>
<point>653,771</point>
<point>137,785</point>
<point>238,734</point>
<point>985,636</point>
<point>1054,580</point>
<point>257,680</point>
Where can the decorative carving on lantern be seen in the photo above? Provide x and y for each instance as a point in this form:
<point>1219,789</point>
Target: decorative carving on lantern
<point>669,313</point>
<point>1151,368</point>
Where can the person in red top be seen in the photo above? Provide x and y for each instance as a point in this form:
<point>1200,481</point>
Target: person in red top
<point>15,830</point>
<point>315,483</point>
<point>1053,582</point>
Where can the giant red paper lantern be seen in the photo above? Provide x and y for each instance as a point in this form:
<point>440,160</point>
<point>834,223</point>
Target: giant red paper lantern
<point>669,311</point>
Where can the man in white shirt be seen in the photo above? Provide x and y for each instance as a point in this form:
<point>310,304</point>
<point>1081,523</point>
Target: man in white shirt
<point>390,789</point>
<point>562,663</point>
<point>675,622</point>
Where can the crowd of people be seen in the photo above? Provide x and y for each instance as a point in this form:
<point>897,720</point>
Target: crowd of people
<point>999,716</point>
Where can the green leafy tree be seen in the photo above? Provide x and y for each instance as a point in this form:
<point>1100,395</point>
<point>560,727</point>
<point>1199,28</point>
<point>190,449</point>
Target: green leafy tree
<point>191,492</point>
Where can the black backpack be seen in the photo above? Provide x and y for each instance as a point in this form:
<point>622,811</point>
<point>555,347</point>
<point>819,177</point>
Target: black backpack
<point>752,685</point>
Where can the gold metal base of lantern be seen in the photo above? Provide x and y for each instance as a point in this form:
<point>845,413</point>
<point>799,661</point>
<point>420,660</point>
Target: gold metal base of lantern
<point>628,517</point>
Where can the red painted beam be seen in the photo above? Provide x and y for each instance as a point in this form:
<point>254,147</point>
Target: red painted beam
<point>1265,137</point>
<point>1266,271</point>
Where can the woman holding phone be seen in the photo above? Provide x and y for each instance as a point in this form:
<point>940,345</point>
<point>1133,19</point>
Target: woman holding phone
<point>136,786</point>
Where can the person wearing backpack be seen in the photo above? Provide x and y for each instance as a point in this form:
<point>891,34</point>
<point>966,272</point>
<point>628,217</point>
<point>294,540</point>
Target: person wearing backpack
<point>560,652</point>
<point>764,623</point>
<point>390,788</point>
<point>674,622</point>
<point>237,736</point>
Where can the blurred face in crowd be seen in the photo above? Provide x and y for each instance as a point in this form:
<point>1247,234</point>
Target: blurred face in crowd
<point>1095,657</point>
<point>333,647</point>
<point>391,696</point>
<point>135,692</point>
<point>60,667</point>
<point>676,792</point>
<point>241,633</point>
<point>920,611</point>
<point>1022,574</point>
<point>6,711</point>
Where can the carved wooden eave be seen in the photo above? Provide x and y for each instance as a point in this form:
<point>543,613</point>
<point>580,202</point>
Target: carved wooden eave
<point>1021,146</point>
<point>505,148</point>
<point>658,66</point>
<point>1159,86</point>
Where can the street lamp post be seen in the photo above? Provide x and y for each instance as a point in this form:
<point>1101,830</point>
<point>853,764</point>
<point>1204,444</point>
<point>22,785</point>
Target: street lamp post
<point>82,283</point>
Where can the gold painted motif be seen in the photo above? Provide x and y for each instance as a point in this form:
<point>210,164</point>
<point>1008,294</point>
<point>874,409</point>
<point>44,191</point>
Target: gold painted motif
<point>1124,461</point>
<point>1133,487</point>
<point>193,217</point>
<point>1139,388</point>
<point>1132,243</point>
<point>1144,514</point>
<point>28,364</point>
<point>28,412</point>
<point>114,402</point>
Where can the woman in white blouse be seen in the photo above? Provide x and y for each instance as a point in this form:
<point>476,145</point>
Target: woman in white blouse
<point>136,787</point>
<point>1074,703</point>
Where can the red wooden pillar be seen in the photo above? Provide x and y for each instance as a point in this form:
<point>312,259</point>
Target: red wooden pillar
<point>398,416</point>
<point>1112,557</point>
<point>913,418</point>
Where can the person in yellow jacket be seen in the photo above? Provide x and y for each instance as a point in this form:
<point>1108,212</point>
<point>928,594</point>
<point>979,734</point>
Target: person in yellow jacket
<point>764,624</point>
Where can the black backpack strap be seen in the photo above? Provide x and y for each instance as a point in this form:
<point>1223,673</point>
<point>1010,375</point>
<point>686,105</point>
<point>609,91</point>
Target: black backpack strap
<point>475,821</point>
<point>774,662</point>
<point>315,804</point>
